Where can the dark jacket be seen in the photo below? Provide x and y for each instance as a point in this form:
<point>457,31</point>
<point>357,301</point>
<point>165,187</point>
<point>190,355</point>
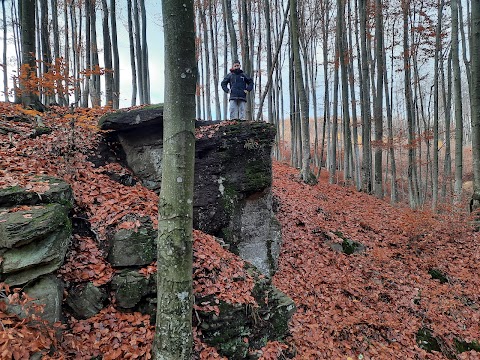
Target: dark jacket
<point>239,82</point>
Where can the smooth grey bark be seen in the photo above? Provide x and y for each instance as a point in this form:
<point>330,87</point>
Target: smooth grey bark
<point>464,45</point>
<point>145,68</point>
<point>457,91</point>
<point>275,62</point>
<point>173,330</point>
<point>347,137</point>
<point>475,105</point>
<point>231,30</point>
<point>5,67</point>
<point>365,102</point>
<point>266,8</point>
<point>351,77</point>
<point>391,148</point>
<point>334,134</point>
<point>132,52</point>
<point>305,172</point>
<point>378,106</point>
<point>447,163</point>
<point>56,35</point>
<point>46,93</point>
<point>95,89</point>
<point>27,23</point>
<point>225,62</point>
<point>203,20</point>
<point>214,46</point>
<point>88,49</point>
<point>138,52</point>
<point>107,55</point>
<point>247,61</point>
<point>412,193</point>
<point>436,105</point>
<point>116,56</point>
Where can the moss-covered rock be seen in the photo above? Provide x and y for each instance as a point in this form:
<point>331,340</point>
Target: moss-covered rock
<point>23,227</point>
<point>132,118</point>
<point>133,247</point>
<point>86,300</point>
<point>42,190</point>
<point>129,287</point>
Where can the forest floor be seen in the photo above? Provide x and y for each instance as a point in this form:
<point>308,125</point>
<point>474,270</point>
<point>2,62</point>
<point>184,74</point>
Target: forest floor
<point>411,283</point>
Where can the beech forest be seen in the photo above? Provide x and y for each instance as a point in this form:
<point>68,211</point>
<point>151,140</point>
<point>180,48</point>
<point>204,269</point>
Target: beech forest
<point>370,177</point>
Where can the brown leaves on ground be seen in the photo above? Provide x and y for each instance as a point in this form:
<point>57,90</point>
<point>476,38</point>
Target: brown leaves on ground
<point>373,303</point>
<point>369,304</point>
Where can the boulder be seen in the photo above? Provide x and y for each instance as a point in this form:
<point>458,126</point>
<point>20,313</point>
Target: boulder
<point>46,292</point>
<point>41,257</point>
<point>228,330</point>
<point>233,175</point>
<point>23,227</point>
<point>129,288</point>
<point>125,120</point>
<point>133,247</point>
<point>86,300</point>
<point>42,190</point>
<point>255,233</point>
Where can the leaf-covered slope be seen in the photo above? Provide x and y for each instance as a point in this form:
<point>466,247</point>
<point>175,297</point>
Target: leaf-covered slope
<point>374,302</point>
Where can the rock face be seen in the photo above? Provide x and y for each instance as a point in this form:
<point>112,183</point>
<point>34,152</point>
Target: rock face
<point>34,239</point>
<point>233,177</point>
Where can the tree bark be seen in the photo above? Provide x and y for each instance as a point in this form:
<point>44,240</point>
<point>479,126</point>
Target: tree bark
<point>475,104</point>
<point>173,335</point>
<point>231,30</point>
<point>378,107</point>
<point>132,52</point>
<point>116,57</point>
<point>107,56</point>
<point>458,102</point>
<point>27,23</point>
<point>305,173</point>
<point>5,68</point>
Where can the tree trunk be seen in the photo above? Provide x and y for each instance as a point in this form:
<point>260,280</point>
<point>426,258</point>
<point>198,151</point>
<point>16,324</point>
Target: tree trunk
<point>203,20</point>
<point>116,57</point>
<point>132,52</point>
<point>5,68</point>
<point>214,45</point>
<point>88,49</point>
<point>231,30</point>
<point>447,163</point>
<point>378,107</point>
<point>107,56</point>
<point>27,23</point>
<point>145,68</point>
<point>305,173</point>
<point>266,7</point>
<point>173,331</point>
<point>458,102</point>
<point>95,79</point>
<point>138,52</point>
<point>438,52</point>
<point>475,104</point>
<point>365,101</point>
<point>413,195</point>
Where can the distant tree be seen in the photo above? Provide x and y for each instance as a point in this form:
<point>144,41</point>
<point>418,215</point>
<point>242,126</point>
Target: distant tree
<point>5,69</point>
<point>305,172</point>
<point>116,57</point>
<point>475,103</point>
<point>27,75</point>
<point>173,335</point>
<point>132,52</point>
<point>107,55</point>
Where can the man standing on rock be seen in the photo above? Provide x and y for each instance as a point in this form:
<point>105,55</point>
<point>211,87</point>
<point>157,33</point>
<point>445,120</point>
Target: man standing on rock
<point>240,85</point>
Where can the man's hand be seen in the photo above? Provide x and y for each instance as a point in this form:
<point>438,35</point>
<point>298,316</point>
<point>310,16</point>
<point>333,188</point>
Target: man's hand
<point>246,92</point>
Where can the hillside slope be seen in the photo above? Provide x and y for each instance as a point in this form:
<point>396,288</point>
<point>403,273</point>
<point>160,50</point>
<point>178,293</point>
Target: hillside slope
<point>411,271</point>
<point>416,271</point>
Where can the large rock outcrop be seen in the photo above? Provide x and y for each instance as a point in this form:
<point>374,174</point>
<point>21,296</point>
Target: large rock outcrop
<point>35,232</point>
<point>35,229</point>
<point>233,176</point>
